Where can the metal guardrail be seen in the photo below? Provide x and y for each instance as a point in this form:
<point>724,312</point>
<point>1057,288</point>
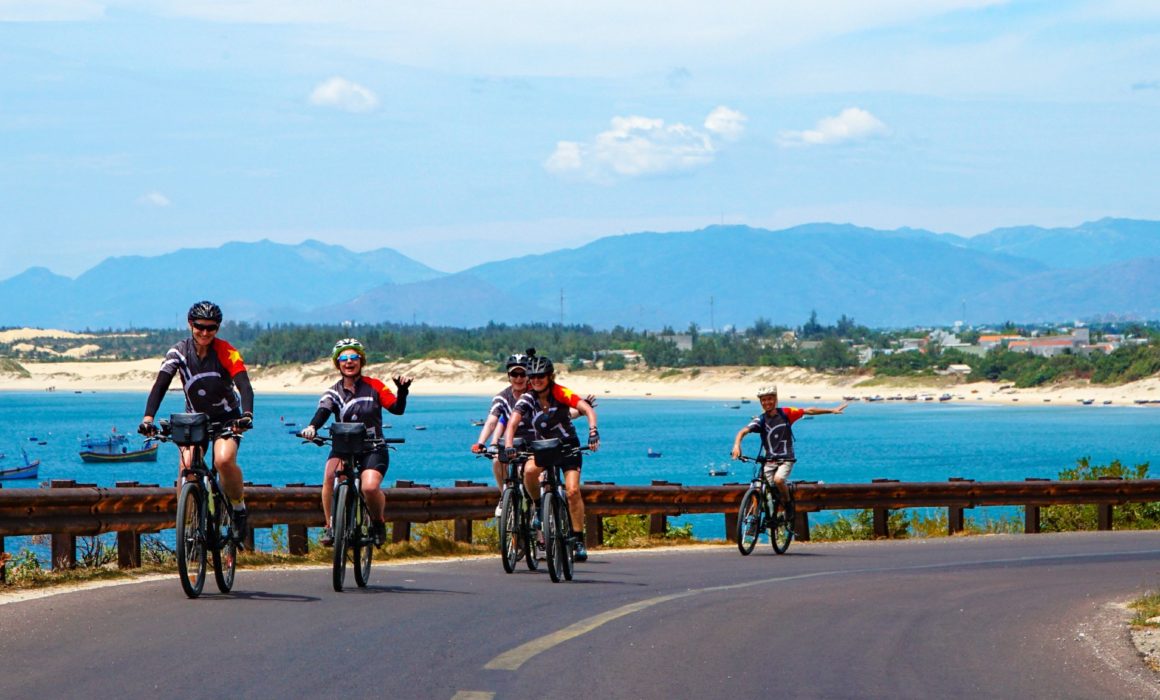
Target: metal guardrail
<point>67,510</point>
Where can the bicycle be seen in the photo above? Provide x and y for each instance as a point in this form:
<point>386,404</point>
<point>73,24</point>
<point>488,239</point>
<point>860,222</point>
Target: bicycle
<point>555,517</point>
<point>354,541</point>
<point>205,517</point>
<point>764,508</point>
<point>516,536</point>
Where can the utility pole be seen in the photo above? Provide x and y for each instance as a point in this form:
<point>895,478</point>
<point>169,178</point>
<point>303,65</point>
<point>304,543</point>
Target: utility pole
<point>561,306</point>
<point>712,322</point>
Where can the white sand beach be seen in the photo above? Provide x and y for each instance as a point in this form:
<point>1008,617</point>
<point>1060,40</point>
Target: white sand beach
<point>447,377</point>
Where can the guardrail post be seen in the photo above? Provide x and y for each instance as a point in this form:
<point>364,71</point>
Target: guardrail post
<point>3,558</point>
<point>463,525</point>
<point>731,526</point>
<point>658,523</point>
<point>801,525</point>
<point>248,540</point>
<point>297,536</point>
<point>64,547</point>
<point>1031,514</point>
<point>401,529</point>
<point>128,543</point>
<point>955,520</point>
<point>1104,516</point>
<point>882,515</point>
<point>593,530</point>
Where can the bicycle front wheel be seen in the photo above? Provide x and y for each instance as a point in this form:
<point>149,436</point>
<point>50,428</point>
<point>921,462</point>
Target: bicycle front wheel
<point>565,517</point>
<point>191,538</point>
<point>342,536</point>
<point>553,541</point>
<point>509,530</point>
<point>363,545</point>
<point>225,550</point>
<point>531,537</point>
<point>748,521</point>
<point>780,528</point>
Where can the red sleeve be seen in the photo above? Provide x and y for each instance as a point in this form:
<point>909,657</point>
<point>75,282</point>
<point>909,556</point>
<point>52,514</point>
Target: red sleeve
<point>230,358</point>
<point>386,396</point>
<point>792,414</point>
<point>565,396</point>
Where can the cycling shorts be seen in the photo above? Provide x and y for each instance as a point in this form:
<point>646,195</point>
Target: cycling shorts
<point>377,460</point>
<point>780,469</point>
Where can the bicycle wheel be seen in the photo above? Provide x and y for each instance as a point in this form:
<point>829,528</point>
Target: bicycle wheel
<point>530,535</point>
<point>565,517</point>
<point>191,538</point>
<point>341,536</point>
<point>553,543</point>
<point>362,544</point>
<point>748,521</point>
<point>225,549</point>
<point>509,530</point>
<point>780,527</point>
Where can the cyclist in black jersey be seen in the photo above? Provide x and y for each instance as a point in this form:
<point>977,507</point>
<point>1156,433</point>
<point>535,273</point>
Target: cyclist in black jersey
<point>215,382</point>
<point>774,426</point>
<point>358,399</point>
<point>550,406</point>
<point>501,410</point>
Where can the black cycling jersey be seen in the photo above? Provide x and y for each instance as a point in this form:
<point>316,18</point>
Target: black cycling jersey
<point>217,385</point>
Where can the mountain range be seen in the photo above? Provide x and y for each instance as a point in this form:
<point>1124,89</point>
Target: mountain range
<point>716,276</point>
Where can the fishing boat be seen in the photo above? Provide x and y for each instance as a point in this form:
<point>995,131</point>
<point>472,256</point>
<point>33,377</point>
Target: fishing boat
<point>28,470</point>
<point>478,422</point>
<point>652,453</point>
<point>718,470</point>
<point>115,447</point>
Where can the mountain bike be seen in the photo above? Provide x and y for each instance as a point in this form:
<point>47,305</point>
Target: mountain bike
<point>555,517</point>
<point>516,536</point>
<point>764,508</point>
<point>354,540</point>
<point>205,517</point>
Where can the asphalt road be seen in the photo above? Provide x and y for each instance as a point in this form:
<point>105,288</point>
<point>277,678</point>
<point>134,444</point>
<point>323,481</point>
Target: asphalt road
<point>979,617</point>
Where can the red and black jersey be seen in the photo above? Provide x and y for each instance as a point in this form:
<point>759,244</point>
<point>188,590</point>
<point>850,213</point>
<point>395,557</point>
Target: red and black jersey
<point>502,406</point>
<point>211,384</point>
<point>555,421</point>
<point>776,435</point>
<point>364,405</point>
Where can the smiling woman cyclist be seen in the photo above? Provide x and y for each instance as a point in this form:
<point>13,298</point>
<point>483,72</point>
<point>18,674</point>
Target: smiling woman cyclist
<point>358,399</point>
<point>210,369</point>
<point>549,406</point>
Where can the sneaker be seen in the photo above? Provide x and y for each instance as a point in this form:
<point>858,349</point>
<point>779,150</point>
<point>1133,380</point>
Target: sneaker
<point>499,509</point>
<point>538,526</point>
<point>579,551</point>
<point>241,525</point>
<point>327,539</point>
<point>379,529</point>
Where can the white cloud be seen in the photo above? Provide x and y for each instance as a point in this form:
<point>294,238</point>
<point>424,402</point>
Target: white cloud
<point>638,146</point>
<point>726,123</point>
<point>154,199</point>
<point>343,94</point>
<point>853,124</point>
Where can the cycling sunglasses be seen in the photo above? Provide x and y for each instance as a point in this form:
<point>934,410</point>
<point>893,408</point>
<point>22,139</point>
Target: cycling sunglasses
<point>207,327</point>
<point>517,374</point>
<point>349,357</point>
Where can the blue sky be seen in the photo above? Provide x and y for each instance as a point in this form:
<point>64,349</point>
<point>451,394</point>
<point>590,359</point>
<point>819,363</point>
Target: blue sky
<point>459,133</point>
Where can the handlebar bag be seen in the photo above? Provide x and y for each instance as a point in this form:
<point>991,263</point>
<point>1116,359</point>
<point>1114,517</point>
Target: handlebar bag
<point>189,428</point>
<point>547,452</point>
<point>349,438</point>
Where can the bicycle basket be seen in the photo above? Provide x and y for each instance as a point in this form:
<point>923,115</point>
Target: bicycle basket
<point>189,428</point>
<point>547,452</point>
<point>349,438</point>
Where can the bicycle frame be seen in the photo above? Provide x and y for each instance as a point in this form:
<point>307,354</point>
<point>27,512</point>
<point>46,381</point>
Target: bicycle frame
<point>772,511</point>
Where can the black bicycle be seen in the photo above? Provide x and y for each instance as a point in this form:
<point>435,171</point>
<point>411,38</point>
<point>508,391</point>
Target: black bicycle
<point>555,518</point>
<point>517,538</point>
<point>764,508</point>
<point>205,517</point>
<point>354,540</point>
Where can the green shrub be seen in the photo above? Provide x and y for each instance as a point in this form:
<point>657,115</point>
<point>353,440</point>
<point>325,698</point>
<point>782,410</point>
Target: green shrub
<point>1129,516</point>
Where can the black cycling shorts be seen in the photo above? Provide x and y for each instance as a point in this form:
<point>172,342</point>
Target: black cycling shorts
<point>378,460</point>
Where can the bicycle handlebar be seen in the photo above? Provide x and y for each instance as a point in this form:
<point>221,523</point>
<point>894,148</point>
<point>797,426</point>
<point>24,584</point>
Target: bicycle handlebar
<point>321,440</point>
<point>222,429</point>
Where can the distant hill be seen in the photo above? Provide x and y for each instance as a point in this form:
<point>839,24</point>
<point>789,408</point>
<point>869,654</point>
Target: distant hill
<point>251,281</point>
<point>714,277</point>
<point>1087,245</point>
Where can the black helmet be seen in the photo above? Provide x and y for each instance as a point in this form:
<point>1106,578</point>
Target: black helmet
<point>540,366</point>
<point>517,360</point>
<point>205,311</point>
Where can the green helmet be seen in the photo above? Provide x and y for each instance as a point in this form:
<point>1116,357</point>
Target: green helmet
<point>348,344</point>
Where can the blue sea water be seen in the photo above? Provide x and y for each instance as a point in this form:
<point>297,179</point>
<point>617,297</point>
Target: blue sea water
<point>904,441</point>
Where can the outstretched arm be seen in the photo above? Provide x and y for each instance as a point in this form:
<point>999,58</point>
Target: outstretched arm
<point>815,411</point>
